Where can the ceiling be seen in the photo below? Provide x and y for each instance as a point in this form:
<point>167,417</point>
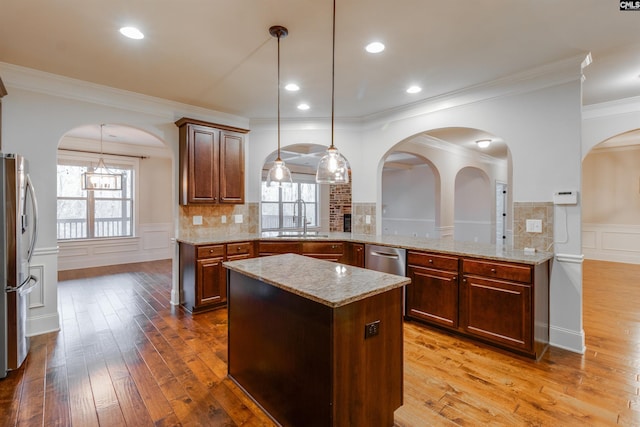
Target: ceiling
<point>218,54</point>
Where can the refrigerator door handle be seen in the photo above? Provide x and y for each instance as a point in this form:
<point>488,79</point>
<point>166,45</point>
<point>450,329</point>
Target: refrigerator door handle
<point>26,287</point>
<point>34,204</point>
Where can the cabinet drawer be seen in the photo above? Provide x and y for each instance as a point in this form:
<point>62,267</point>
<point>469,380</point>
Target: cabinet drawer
<point>322,247</point>
<point>242,248</point>
<point>497,270</point>
<point>440,262</point>
<point>210,251</point>
<point>270,248</point>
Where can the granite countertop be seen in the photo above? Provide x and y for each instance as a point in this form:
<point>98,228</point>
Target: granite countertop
<point>446,246</point>
<point>325,282</point>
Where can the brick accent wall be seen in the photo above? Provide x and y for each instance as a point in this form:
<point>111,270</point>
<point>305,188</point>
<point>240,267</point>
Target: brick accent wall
<point>339,204</point>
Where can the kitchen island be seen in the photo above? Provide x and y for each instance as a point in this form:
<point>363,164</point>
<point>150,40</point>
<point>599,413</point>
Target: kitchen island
<point>316,343</point>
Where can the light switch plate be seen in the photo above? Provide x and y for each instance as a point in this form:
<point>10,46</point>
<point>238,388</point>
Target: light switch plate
<point>534,226</point>
<point>367,219</point>
<point>237,219</point>
<point>197,220</point>
<point>223,219</point>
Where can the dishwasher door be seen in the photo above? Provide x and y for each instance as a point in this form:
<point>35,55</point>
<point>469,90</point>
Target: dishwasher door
<point>386,259</point>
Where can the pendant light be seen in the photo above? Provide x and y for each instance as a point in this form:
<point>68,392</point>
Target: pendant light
<point>279,173</point>
<point>333,167</point>
<point>101,178</point>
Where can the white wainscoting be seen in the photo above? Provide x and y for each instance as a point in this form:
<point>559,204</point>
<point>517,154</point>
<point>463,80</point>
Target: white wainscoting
<point>611,242</point>
<point>152,243</point>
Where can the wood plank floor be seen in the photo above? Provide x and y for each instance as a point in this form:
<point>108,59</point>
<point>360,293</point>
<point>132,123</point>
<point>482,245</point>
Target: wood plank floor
<point>124,356</point>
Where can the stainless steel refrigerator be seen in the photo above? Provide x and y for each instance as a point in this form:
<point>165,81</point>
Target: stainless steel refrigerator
<point>18,233</point>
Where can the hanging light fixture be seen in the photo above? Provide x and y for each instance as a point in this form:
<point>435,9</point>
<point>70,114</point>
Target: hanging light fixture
<point>333,167</point>
<point>279,173</point>
<point>101,178</point>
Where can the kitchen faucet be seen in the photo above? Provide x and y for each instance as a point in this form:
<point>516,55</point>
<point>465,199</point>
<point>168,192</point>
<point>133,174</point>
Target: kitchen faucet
<point>304,214</point>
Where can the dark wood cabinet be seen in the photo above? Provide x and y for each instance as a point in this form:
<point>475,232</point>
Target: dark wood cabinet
<point>211,163</point>
<point>203,278</point>
<point>330,251</point>
<point>279,247</point>
<point>432,295</point>
<point>506,304</point>
<point>354,254</point>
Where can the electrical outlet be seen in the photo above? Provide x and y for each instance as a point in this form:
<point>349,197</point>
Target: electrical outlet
<point>223,219</point>
<point>197,220</point>
<point>534,226</point>
<point>367,219</point>
<point>371,329</point>
<point>237,219</point>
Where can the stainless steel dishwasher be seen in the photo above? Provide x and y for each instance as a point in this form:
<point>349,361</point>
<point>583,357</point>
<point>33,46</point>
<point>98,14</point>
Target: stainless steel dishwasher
<point>386,259</point>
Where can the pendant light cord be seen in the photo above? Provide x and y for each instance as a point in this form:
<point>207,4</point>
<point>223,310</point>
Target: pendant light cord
<point>279,35</point>
<point>333,73</point>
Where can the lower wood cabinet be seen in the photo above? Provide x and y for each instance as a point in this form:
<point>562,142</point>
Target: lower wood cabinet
<point>505,304</point>
<point>432,295</point>
<point>330,251</point>
<point>203,278</point>
<point>354,254</point>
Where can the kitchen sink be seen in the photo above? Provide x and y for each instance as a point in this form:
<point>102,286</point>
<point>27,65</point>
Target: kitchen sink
<point>301,234</point>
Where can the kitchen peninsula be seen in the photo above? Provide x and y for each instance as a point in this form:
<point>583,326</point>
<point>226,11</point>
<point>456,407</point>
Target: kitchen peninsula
<point>316,343</point>
<point>490,293</point>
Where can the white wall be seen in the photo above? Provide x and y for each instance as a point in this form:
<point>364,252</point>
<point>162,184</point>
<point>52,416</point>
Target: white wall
<point>611,204</point>
<point>409,201</point>
<point>474,206</point>
<point>38,110</point>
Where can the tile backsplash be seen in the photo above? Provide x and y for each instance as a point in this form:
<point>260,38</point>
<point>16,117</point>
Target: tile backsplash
<point>522,211</point>
<point>362,211</point>
<point>212,219</point>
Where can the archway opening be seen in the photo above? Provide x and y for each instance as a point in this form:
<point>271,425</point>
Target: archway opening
<point>328,207</point>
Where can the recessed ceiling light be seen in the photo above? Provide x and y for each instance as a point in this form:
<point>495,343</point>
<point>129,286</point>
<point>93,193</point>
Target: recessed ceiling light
<point>292,87</point>
<point>414,89</point>
<point>374,47</point>
<point>483,143</point>
<point>303,107</point>
<point>132,33</point>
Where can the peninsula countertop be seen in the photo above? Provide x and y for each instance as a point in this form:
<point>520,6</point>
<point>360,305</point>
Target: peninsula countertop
<point>325,282</point>
<point>446,246</point>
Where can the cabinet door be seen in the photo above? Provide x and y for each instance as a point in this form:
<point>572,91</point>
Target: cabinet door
<point>432,295</point>
<point>498,311</point>
<point>356,254</point>
<point>231,167</point>
<point>212,282</point>
<point>204,156</point>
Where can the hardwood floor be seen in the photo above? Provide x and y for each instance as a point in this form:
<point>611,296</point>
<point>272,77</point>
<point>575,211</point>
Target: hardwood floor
<point>124,356</point>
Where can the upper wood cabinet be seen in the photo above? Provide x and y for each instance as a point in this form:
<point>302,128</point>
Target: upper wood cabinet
<point>211,163</point>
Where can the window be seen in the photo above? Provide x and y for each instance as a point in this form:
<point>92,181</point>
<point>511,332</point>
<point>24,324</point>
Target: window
<point>280,211</point>
<point>94,214</point>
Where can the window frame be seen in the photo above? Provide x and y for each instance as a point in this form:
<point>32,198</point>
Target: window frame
<point>298,179</point>
<point>77,158</point>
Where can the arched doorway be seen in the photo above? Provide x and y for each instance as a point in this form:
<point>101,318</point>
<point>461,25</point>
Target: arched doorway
<point>473,206</point>
<point>328,206</point>
<point>611,199</point>
<point>96,228</point>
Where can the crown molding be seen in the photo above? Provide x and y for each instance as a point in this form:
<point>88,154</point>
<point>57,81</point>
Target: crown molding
<point>612,108</point>
<point>28,79</point>
<point>537,78</point>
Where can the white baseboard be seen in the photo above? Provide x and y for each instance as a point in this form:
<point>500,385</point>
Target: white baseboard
<point>38,325</point>
<point>567,340</point>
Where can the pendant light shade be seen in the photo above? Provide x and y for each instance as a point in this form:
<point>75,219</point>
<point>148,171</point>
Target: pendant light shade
<point>101,178</point>
<point>279,173</point>
<point>333,167</point>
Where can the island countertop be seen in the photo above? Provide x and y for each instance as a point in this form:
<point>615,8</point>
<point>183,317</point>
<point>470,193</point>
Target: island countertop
<point>325,282</point>
<point>446,246</point>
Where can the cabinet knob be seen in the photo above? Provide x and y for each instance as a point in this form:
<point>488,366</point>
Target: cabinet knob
<point>430,261</point>
<point>210,251</point>
<point>493,270</point>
